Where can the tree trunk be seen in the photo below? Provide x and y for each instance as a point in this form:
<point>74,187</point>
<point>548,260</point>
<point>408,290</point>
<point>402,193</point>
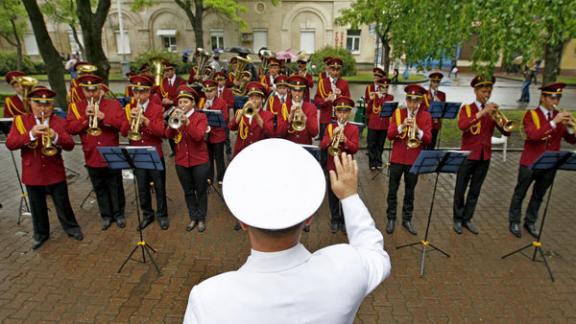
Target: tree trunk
<point>50,55</point>
<point>385,53</point>
<point>92,24</point>
<point>18,45</point>
<point>195,18</point>
<point>552,56</point>
<point>76,38</point>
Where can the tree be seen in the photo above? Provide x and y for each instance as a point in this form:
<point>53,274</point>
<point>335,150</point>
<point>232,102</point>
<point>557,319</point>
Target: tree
<point>64,12</point>
<point>12,26</point>
<point>92,24</point>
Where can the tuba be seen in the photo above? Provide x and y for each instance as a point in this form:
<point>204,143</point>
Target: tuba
<point>202,56</point>
<point>413,141</point>
<point>501,120</point>
<point>266,55</point>
<point>337,139</point>
<point>27,83</point>
<point>134,133</point>
<point>240,76</point>
<point>298,123</point>
<point>48,148</point>
<point>93,129</point>
<point>158,66</point>
<point>176,119</point>
<point>87,68</point>
<point>249,109</point>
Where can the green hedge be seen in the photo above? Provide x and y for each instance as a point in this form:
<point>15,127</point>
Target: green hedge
<point>8,63</point>
<point>146,57</point>
<point>349,62</point>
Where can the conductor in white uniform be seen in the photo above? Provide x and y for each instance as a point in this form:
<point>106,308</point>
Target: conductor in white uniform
<point>273,187</point>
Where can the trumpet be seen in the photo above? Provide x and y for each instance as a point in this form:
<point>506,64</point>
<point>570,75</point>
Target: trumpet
<point>413,141</point>
<point>337,139</point>
<point>571,123</point>
<point>135,122</point>
<point>501,120</point>
<point>93,129</point>
<point>249,109</point>
<point>176,119</point>
<point>298,123</point>
<point>48,148</point>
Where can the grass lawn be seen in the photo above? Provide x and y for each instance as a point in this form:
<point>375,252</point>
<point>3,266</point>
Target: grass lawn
<point>366,76</point>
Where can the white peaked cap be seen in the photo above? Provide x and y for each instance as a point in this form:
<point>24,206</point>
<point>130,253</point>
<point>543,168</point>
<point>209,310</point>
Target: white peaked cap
<point>273,184</point>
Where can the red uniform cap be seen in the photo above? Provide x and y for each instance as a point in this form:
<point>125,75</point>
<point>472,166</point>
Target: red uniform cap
<point>383,81</point>
<point>343,103</point>
<point>42,95</point>
<point>302,57</point>
<point>13,75</point>
<point>273,61</point>
<point>209,85</point>
<point>254,87</point>
<point>281,80</point>
<point>482,81</point>
<point>436,76</point>
<point>414,91</point>
<point>553,89</point>
<point>185,91</point>
<point>297,82</point>
<point>335,62</point>
<point>219,76</point>
<point>168,66</point>
<point>141,82</point>
<point>89,81</point>
<point>379,72</point>
<point>144,68</point>
<point>326,59</point>
<point>233,60</point>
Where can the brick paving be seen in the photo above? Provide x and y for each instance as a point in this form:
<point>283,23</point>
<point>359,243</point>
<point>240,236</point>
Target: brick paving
<point>68,281</point>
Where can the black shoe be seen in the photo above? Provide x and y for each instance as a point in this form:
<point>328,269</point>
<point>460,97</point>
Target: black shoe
<point>409,227</point>
<point>333,227</point>
<point>306,228</point>
<point>38,243</point>
<point>531,229</point>
<point>76,235</point>
<point>145,222</point>
<point>458,227</point>
<point>106,222</point>
<point>164,223</point>
<point>191,226</point>
<point>471,227</point>
<point>390,226</point>
<point>121,221</point>
<point>515,229</point>
<point>237,227</point>
<point>201,226</point>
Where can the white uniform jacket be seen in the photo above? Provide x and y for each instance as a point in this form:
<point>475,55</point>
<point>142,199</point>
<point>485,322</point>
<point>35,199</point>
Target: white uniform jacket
<point>296,286</point>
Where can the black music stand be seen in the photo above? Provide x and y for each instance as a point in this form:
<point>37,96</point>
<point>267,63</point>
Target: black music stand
<point>434,162</point>
<point>134,157</point>
<point>387,110</point>
<point>558,160</point>
<point>239,102</point>
<point>443,110</point>
<point>24,209</point>
<point>215,120</point>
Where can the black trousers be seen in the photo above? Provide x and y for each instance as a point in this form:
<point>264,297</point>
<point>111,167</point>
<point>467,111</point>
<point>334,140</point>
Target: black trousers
<point>432,145</point>
<point>323,153</point>
<point>172,145</point>
<point>39,209</point>
<point>470,176</point>
<point>410,181</point>
<point>375,141</point>
<point>542,180</point>
<point>195,185</point>
<point>216,153</point>
<point>143,179</point>
<point>336,215</point>
<point>109,189</point>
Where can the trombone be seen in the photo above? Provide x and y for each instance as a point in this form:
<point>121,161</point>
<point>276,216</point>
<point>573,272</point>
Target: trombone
<point>93,129</point>
<point>135,122</point>
<point>48,148</point>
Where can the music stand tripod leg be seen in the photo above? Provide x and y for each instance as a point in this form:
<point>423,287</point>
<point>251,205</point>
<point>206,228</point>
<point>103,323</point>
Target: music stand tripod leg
<point>128,258</point>
<point>539,249</point>
<point>86,199</point>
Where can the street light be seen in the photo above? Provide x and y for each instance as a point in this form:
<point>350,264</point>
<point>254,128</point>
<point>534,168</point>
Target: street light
<point>124,63</point>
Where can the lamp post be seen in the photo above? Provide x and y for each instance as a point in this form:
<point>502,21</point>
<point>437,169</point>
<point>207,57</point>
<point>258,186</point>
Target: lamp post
<point>124,63</point>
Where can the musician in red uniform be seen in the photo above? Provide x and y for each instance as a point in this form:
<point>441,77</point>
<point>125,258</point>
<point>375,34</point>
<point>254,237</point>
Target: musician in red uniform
<point>268,80</point>
<point>377,126</point>
<point>75,92</point>
<point>410,130</point>
<point>167,91</point>
<point>151,132</point>
<point>43,170</point>
<point>107,183</point>
<point>14,105</point>
<point>298,85</point>
<point>378,73</point>
<point>477,125</point>
<point>545,127</point>
<point>217,135</point>
<point>326,72</point>
<point>277,106</point>
<point>192,165</point>
<point>330,88</point>
<point>226,94</point>
<point>250,128</point>
<point>344,136</point>
<point>302,62</point>
<point>433,94</point>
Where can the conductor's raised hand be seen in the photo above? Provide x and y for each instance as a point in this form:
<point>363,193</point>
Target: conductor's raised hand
<point>344,180</point>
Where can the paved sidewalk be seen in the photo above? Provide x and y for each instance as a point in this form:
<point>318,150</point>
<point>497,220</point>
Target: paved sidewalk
<point>67,281</point>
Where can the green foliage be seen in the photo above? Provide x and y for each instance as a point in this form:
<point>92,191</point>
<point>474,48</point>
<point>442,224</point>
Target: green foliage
<point>349,62</point>
<point>146,57</point>
<point>8,63</point>
<point>12,11</point>
<point>229,8</point>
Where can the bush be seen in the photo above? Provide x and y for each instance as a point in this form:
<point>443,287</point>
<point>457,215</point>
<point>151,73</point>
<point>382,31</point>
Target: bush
<point>349,62</point>
<point>168,56</point>
<point>8,63</point>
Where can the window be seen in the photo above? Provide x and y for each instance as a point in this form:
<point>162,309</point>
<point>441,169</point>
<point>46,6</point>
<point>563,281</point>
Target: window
<point>122,43</point>
<point>308,41</point>
<point>217,39</point>
<point>31,45</point>
<point>169,43</point>
<point>353,40</point>
<point>260,39</point>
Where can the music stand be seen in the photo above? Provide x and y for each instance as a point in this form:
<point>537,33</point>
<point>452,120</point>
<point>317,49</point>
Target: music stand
<point>549,160</point>
<point>215,120</point>
<point>434,162</point>
<point>134,157</point>
<point>387,110</point>
<point>24,209</point>
<point>239,102</point>
<point>443,110</point>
